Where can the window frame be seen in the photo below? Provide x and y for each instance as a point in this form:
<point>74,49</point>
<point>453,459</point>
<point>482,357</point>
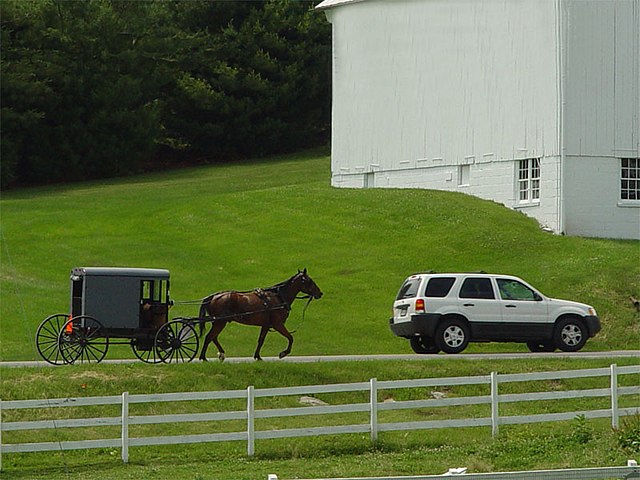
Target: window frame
<point>477,293</point>
<point>528,180</point>
<point>440,284</point>
<point>504,292</point>
<point>629,173</point>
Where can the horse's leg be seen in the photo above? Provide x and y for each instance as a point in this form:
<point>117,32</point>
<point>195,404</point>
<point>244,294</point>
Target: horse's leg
<point>205,344</point>
<point>263,333</point>
<point>212,336</point>
<point>282,330</point>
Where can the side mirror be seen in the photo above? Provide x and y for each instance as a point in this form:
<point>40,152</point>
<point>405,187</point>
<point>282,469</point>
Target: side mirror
<point>537,297</point>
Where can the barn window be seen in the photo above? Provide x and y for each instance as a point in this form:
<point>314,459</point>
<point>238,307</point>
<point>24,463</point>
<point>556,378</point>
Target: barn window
<point>464,172</point>
<point>630,179</point>
<point>529,180</point>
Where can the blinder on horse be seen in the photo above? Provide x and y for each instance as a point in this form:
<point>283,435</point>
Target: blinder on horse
<point>266,308</point>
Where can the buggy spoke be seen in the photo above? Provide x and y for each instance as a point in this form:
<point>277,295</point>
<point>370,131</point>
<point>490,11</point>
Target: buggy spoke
<point>176,341</point>
<point>83,339</point>
<point>47,338</point>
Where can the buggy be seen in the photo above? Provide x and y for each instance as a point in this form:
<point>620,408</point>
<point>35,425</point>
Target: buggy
<point>117,306</point>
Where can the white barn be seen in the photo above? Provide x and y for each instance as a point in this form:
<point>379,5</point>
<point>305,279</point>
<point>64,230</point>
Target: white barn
<point>531,103</point>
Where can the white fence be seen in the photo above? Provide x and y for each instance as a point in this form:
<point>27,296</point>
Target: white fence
<point>373,407</point>
<point>632,470</point>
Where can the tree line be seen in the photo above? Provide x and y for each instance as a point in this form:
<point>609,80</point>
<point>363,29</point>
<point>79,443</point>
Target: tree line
<point>99,88</point>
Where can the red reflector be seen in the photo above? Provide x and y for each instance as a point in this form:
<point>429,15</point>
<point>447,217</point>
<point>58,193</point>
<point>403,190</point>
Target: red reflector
<point>420,305</point>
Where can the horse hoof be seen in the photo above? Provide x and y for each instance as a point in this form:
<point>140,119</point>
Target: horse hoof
<point>258,359</point>
<point>221,357</point>
<point>203,359</point>
<point>283,354</point>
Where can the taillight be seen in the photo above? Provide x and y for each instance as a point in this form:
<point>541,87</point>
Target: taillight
<point>420,305</point>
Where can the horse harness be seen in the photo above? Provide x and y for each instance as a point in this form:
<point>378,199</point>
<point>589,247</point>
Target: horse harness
<point>267,303</point>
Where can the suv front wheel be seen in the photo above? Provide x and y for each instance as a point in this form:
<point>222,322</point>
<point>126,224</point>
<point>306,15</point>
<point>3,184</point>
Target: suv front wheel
<point>452,335</point>
<point>570,334</point>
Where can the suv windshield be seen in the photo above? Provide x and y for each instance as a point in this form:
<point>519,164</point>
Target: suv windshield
<point>409,289</point>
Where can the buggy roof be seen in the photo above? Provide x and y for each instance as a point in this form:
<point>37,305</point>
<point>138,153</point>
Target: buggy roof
<point>121,272</point>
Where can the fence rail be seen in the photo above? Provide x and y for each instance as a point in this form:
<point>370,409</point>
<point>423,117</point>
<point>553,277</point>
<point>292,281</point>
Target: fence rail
<point>373,407</point>
<point>632,470</point>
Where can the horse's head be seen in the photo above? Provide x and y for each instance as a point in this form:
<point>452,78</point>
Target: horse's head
<point>305,283</point>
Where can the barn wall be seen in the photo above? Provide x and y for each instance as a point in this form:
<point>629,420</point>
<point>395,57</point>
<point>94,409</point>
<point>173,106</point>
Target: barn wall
<point>602,115</point>
<point>593,209</point>
<point>422,87</point>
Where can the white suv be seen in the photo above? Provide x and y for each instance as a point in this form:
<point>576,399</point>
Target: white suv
<point>446,311</point>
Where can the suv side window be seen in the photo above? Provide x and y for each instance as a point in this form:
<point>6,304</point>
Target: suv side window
<point>409,288</point>
<point>474,287</point>
<point>513,290</point>
<point>439,287</point>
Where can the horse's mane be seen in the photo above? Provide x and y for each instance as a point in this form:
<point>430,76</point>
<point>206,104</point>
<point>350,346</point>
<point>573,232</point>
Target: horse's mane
<point>278,286</point>
<point>273,288</point>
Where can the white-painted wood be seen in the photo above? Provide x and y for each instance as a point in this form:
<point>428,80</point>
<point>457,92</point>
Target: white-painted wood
<point>421,88</point>
<point>373,427</point>
<point>125,428</point>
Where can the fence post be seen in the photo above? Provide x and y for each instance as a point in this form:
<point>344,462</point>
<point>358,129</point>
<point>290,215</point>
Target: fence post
<point>125,427</point>
<point>615,415</point>
<point>0,435</point>
<point>251,434</point>
<point>494,404</point>
<point>373,401</point>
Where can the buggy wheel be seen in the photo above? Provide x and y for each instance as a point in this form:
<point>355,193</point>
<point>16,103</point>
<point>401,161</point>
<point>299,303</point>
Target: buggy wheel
<point>176,341</point>
<point>146,353</point>
<point>83,339</point>
<point>47,338</point>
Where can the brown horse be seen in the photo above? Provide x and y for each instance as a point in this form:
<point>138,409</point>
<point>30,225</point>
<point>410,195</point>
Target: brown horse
<point>266,308</point>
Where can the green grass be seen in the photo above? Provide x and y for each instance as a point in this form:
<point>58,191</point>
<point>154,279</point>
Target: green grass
<point>569,444</point>
<point>253,224</point>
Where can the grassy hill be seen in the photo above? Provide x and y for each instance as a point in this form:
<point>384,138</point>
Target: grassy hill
<point>255,223</point>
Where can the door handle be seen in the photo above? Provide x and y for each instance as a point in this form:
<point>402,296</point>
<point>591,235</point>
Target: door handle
<point>469,304</point>
<point>510,306</point>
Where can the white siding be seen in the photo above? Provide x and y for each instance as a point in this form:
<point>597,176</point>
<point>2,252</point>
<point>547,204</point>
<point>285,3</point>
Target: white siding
<point>593,209</point>
<point>602,103</point>
<point>433,84</point>
<point>602,115</point>
<point>421,87</point>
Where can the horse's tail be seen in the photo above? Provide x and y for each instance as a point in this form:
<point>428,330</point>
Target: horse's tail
<point>204,312</point>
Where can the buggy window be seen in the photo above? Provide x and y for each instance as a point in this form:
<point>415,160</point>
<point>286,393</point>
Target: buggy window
<point>156,291</point>
<point>477,288</point>
<point>76,296</point>
<point>439,287</point>
<point>409,289</point>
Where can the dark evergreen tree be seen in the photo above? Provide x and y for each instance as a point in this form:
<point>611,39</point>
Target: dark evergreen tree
<point>107,87</point>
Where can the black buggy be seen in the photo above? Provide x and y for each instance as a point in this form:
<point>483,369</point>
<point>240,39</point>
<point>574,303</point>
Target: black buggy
<point>117,306</point>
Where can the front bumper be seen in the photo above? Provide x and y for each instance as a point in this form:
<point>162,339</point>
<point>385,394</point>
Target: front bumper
<point>593,324</point>
<point>423,324</point>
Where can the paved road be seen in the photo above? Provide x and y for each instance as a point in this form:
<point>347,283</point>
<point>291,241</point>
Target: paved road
<point>342,358</point>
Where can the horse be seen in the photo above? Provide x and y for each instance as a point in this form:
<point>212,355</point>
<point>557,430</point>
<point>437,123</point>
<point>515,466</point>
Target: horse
<point>265,308</point>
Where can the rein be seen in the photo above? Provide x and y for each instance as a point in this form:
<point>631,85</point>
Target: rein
<point>304,310</point>
<point>189,302</point>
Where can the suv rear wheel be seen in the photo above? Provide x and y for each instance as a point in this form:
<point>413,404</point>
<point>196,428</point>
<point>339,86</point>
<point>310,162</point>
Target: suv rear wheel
<point>423,345</point>
<point>452,335</point>
<point>570,335</point>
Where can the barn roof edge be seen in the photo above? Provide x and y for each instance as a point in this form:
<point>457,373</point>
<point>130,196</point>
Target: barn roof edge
<point>326,4</point>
